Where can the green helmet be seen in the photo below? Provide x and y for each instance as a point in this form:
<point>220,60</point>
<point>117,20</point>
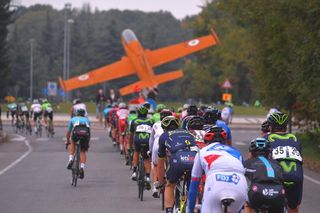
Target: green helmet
<point>142,110</point>
<point>160,107</point>
<point>278,120</point>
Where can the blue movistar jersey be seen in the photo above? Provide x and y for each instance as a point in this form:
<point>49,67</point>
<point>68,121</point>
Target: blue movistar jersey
<point>77,121</point>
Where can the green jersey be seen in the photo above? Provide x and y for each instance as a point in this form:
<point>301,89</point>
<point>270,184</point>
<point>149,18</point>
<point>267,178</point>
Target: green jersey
<point>46,107</point>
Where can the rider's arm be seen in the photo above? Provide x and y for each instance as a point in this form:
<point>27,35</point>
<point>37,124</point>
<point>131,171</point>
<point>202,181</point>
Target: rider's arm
<point>161,159</point>
<point>194,185</point>
<point>151,140</point>
<point>68,135</point>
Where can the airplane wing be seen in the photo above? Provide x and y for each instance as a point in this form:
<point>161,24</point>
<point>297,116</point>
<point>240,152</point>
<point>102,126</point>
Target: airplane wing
<point>112,71</point>
<point>170,53</point>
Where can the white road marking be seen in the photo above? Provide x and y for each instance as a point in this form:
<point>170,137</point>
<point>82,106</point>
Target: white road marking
<point>42,139</point>
<point>311,179</point>
<point>18,138</point>
<point>19,159</point>
<point>91,139</point>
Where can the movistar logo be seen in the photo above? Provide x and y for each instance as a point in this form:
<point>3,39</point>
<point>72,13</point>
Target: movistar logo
<point>288,168</point>
<point>143,135</point>
<point>279,118</point>
<point>139,121</point>
<point>273,137</point>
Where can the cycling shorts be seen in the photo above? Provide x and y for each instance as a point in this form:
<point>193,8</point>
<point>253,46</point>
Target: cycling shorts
<point>36,115</point>
<point>122,125</point>
<point>267,195</point>
<point>180,162</point>
<point>221,185</point>
<point>25,113</point>
<point>82,134</point>
<point>294,194</point>
<point>142,146</point>
<point>48,114</point>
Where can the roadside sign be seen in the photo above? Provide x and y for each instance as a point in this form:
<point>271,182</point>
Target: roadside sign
<point>44,91</point>
<point>52,88</point>
<point>226,84</point>
<point>61,92</point>
<point>226,96</point>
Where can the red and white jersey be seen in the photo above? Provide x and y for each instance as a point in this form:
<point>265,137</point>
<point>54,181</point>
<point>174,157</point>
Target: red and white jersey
<point>155,134</point>
<point>217,157</point>
<point>123,114</point>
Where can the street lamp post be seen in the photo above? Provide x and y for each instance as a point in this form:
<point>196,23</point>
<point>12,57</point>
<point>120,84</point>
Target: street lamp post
<point>67,8</point>
<point>31,68</point>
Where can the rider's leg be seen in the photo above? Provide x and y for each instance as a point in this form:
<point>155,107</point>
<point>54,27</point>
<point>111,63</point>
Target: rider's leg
<point>169,197</point>
<point>83,158</point>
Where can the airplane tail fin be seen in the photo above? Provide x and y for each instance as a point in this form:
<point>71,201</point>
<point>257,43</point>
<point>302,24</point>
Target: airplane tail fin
<point>158,79</point>
<point>62,85</point>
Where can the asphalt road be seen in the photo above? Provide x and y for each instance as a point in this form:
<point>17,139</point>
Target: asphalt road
<point>36,180</point>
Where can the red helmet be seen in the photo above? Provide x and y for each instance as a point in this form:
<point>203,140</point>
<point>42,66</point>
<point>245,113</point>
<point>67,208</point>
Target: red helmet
<point>216,134</point>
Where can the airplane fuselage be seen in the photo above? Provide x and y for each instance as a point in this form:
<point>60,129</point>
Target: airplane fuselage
<point>136,54</point>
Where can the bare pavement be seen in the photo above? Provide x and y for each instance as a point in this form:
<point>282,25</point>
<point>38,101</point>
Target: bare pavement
<point>33,178</point>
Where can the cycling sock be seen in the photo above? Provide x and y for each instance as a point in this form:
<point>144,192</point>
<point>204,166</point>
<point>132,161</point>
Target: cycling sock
<point>134,169</point>
<point>121,147</point>
<point>148,175</point>
<point>82,165</point>
<point>70,157</point>
<point>169,210</point>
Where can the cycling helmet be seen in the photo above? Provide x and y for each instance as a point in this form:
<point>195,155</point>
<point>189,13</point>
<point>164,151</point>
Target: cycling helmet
<point>180,109</point>
<point>265,127</point>
<point>20,99</point>
<point>192,110</point>
<point>211,116</point>
<point>170,123</point>
<point>44,101</point>
<point>114,105</point>
<point>215,134</point>
<point>278,120</point>
<point>76,101</point>
<point>122,105</point>
<point>195,123</point>
<point>142,110</point>
<point>185,106</point>
<point>260,146</point>
<point>81,112</point>
<point>147,105</point>
<point>164,113</point>
<point>160,107</point>
<point>35,101</point>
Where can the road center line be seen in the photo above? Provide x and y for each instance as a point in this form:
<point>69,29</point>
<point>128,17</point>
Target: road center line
<point>19,159</point>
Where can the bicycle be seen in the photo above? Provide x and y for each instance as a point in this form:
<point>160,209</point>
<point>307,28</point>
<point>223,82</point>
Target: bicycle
<point>180,195</point>
<point>141,173</point>
<point>39,127</point>
<point>226,202</point>
<point>75,171</point>
<point>49,129</point>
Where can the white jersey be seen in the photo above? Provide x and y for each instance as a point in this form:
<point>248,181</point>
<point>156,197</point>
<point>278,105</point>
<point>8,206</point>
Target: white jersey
<point>271,111</point>
<point>78,106</point>
<point>154,140</point>
<point>122,113</point>
<point>36,108</point>
<point>217,157</point>
<point>226,114</point>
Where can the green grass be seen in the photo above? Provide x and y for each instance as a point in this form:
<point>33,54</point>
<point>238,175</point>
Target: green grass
<point>310,145</point>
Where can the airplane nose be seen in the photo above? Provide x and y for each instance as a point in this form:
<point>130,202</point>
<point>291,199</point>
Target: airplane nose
<point>129,36</point>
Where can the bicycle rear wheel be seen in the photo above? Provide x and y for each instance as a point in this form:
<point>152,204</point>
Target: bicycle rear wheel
<point>141,178</point>
<point>75,166</point>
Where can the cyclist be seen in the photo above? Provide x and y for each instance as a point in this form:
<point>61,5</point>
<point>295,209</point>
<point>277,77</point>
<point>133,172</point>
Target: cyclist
<point>195,127</point>
<point>265,128</point>
<point>78,129</point>
<point>265,176</point>
<point>131,117</point>
<point>156,116</point>
<point>286,149</point>
<point>12,110</point>
<point>178,148</point>
<point>212,118</point>
<point>47,111</point>
<point>140,129</point>
<point>36,112</point>
<point>184,112</point>
<point>191,112</point>
<point>106,117</point>
<point>22,110</point>
<point>154,147</point>
<point>227,113</point>
<point>113,121</point>
<point>224,171</point>
<point>78,104</point>
<point>122,116</point>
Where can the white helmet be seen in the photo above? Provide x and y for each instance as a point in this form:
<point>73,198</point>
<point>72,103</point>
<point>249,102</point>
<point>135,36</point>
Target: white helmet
<point>122,105</point>
<point>35,101</point>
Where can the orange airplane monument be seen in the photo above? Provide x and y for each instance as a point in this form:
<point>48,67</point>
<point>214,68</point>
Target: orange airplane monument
<point>141,62</point>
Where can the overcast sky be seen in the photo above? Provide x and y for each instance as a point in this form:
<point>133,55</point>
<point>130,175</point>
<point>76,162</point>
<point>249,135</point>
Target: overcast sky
<point>179,8</point>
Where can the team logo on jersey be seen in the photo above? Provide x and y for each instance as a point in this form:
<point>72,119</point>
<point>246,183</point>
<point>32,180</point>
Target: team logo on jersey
<point>234,178</point>
<point>186,158</point>
<point>269,192</point>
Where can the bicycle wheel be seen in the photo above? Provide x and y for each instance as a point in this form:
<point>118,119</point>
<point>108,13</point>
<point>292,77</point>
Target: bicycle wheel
<point>141,176</point>
<point>76,169</point>
<point>162,198</point>
<point>176,207</point>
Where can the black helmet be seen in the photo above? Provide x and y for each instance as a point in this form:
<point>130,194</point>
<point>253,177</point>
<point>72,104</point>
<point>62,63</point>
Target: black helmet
<point>147,105</point>
<point>170,123</point>
<point>192,110</point>
<point>265,127</point>
<point>164,113</point>
<point>211,116</point>
<point>278,121</point>
<point>195,123</point>
<point>81,112</point>
<point>142,110</point>
<point>215,134</point>
<point>260,146</point>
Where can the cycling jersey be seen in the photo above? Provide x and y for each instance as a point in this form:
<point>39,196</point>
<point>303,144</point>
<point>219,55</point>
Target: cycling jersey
<point>46,107</point>
<point>78,106</point>
<point>224,178</point>
<point>12,107</point>
<point>286,149</point>
<point>78,121</point>
<point>122,116</point>
<point>181,148</point>
<point>131,117</point>
<point>106,112</point>
<point>22,107</point>
<point>266,187</point>
<point>80,127</point>
<point>154,141</point>
<point>226,114</point>
<point>156,117</point>
<point>36,108</point>
<point>141,129</point>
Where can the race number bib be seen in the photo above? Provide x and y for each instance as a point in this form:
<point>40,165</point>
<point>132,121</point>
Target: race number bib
<point>282,152</point>
<point>144,128</point>
<point>49,110</point>
<point>24,108</point>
